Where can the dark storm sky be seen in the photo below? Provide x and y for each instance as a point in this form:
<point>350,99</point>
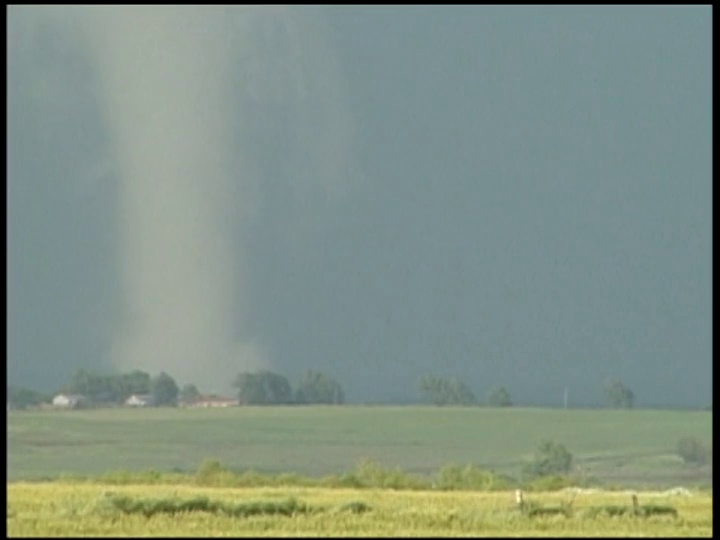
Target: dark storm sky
<point>529,206</point>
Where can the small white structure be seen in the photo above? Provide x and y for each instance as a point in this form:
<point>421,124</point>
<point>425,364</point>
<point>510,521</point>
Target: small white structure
<point>214,401</point>
<point>68,401</point>
<point>139,400</point>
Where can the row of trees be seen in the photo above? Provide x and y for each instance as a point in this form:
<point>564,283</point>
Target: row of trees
<point>116,388</point>
<point>22,398</point>
<point>270,388</point>
<point>257,388</point>
<point>440,391</point>
<point>267,387</point>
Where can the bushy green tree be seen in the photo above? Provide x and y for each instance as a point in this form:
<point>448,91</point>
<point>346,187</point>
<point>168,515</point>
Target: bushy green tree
<point>164,390</point>
<point>124,385</point>
<point>439,391</point>
<point>550,458</point>
<point>499,397</point>
<point>103,388</point>
<point>263,388</point>
<point>95,387</point>
<point>318,387</point>
<point>618,395</point>
<point>189,392</point>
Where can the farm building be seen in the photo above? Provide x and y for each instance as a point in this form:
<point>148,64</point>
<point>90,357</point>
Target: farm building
<point>68,401</point>
<point>139,400</point>
<point>213,401</point>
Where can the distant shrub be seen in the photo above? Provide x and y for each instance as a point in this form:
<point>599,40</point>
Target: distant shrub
<point>151,477</point>
<point>252,478</point>
<point>369,474</point>
<point>348,480</point>
<point>499,397</point>
<point>693,451</point>
<point>212,473</point>
<point>553,482</point>
<point>619,396</point>
<point>439,391</point>
<point>294,479</point>
<point>470,477</point>
<point>551,458</point>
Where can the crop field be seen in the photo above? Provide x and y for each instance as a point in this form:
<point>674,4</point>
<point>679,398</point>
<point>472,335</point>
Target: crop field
<point>65,509</point>
<point>619,447</point>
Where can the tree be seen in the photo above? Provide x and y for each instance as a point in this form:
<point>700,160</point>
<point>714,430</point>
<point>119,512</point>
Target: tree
<point>263,388</point>
<point>125,385</point>
<point>97,388</point>
<point>164,390</point>
<point>319,388</point>
<point>550,458</point>
<point>189,392</point>
<point>114,388</point>
<point>135,382</point>
<point>439,391</point>
<point>619,396</point>
<point>22,398</point>
<point>499,397</point>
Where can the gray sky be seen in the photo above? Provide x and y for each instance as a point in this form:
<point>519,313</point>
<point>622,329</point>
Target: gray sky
<point>516,196</point>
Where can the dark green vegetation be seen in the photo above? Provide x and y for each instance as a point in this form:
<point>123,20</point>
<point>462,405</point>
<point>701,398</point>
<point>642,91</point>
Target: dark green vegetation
<point>23,398</point>
<point>265,387</point>
<point>319,388</point>
<point>164,390</point>
<point>619,447</point>
<point>619,396</point>
<point>440,391</point>
<point>262,387</point>
<point>110,388</point>
<point>633,510</point>
<point>151,507</point>
<point>550,458</point>
<point>534,509</point>
<point>499,397</point>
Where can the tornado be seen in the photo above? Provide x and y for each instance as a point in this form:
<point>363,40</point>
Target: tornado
<point>178,84</point>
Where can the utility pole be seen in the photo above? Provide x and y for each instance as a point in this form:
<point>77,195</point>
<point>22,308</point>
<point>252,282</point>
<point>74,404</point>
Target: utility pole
<point>565,399</point>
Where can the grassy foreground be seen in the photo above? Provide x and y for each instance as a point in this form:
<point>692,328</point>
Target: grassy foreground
<point>66,509</point>
<point>620,447</point>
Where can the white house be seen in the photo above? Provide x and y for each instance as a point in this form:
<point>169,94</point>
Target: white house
<point>68,401</point>
<point>139,400</point>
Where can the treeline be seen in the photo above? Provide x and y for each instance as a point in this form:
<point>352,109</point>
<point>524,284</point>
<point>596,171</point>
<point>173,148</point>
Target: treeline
<point>440,391</point>
<point>266,387</point>
<point>103,389</point>
<point>270,388</point>
<point>253,388</point>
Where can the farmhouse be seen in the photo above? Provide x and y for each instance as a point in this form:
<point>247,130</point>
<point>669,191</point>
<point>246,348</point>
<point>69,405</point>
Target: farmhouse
<point>68,401</point>
<point>139,400</point>
<point>213,401</point>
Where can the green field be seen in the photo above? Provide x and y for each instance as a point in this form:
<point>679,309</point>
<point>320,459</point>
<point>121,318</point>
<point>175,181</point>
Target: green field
<point>621,447</point>
<point>61,509</point>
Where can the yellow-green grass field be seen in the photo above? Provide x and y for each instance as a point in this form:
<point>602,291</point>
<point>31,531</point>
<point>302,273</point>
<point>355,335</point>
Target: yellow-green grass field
<point>67,509</point>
